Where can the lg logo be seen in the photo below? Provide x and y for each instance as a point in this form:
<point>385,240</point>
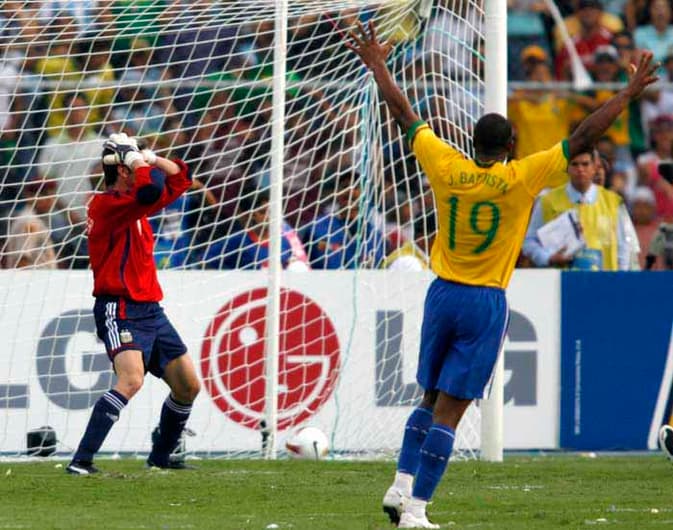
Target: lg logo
<point>233,351</point>
<point>232,361</point>
<point>71,336</point>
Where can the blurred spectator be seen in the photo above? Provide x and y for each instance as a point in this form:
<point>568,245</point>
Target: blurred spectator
<point>177,227</point>
<point>345,238</point>
<point>142,101</point>
<point>626,49</point>
<point>28,244</point>
<point>606,69</point>
<point>69,241</point>
<point>603,169</point>
<point>539,116</point>
<point>661,132</point>
<point>619,178</point>
<point>447,54</point>
<point>587,12</point>
<point>9,82</point>
<point>70,158</point>
<point>644,216</point>
<point>314,45</point>
<point>601,215</point>
<point>658,100</point>
<point>197,41</point>
<point>525,27</point>
<point>98,77</point>
<point>57,66</point>
<point>400,210</point>
<point>657,36</point>
<point>589,28</point>
<point>414,254</point>
<point>220,155</point>
<point>79,10</point>
<point>247,246</point>
<point>615,7</point>
<point>636,13</point>
<point>127,20</point>
<point>661,246</point>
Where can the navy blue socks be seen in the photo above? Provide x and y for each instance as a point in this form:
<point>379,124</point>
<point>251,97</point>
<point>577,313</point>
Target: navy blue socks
<point>105,413</point>
<point>174,416</point>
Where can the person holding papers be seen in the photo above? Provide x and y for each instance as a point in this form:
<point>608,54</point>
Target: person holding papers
<point>580,225</point>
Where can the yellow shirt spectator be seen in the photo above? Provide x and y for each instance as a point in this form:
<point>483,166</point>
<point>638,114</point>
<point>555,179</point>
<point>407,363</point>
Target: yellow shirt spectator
<point>540,120</point>
<point>599,220</point>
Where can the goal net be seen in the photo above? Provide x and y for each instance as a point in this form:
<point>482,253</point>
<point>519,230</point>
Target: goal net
<point>194,79</point>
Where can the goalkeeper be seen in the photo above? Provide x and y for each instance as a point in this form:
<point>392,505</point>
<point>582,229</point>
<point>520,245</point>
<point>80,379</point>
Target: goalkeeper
<point>483,208</point>
<point>137,334</point>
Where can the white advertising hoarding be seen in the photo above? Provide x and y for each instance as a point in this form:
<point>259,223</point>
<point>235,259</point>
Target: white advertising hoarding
<point>348,358</point>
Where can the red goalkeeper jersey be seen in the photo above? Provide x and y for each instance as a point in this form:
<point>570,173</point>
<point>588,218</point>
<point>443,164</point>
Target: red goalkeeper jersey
<point>121,241</point>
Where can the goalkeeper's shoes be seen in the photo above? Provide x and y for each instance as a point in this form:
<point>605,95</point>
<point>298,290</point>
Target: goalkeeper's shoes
<point>666,440</point>
<point>393,503</point>
<point>80,467</point>
<point>409,520</point>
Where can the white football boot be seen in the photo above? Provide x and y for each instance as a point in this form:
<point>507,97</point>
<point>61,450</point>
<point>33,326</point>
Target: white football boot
<point>393,503</point>
<point>409,520</point>
<point>413,515</point>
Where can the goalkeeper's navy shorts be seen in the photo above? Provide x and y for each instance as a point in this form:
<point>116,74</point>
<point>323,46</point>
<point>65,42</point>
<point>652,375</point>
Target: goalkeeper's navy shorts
<point>125,325</point>
<point>463,331</point>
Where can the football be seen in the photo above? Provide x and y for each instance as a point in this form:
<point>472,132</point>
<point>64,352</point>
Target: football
<point>308,443</point>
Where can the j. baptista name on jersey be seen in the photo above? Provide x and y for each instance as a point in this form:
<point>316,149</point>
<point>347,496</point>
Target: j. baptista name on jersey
<point>471,179</point>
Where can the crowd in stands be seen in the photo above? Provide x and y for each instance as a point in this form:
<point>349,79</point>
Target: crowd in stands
<point>170,71</point>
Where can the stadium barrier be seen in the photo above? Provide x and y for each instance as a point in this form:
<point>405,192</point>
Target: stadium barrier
<point>347,359</point>
<point>588,360</point>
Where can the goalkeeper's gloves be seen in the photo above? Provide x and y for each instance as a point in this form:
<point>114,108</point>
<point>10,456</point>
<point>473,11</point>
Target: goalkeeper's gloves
<point>124,150</point>
<point>148,155</point>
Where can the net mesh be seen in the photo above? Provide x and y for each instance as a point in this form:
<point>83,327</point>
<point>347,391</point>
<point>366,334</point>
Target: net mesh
<point>194,80</point>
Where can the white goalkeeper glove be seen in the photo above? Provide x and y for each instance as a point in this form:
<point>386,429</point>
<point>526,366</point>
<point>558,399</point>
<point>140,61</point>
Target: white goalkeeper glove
<point>148,155</point>
<point>123,139</point>
<point>124,150</point>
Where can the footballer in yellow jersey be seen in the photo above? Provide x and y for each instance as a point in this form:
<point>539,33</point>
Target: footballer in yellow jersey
<point>482,210</point>
<point>483,206</point>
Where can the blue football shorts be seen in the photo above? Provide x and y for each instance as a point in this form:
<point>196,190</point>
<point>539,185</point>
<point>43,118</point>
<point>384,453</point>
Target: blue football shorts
<point>125,325</point>
<point>463,331</point>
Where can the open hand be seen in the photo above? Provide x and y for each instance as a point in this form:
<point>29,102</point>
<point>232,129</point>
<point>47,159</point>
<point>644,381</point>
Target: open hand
<point>642,75</point>
<point>366,45</point>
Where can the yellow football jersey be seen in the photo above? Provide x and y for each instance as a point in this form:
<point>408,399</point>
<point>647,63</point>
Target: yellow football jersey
<point>482,212</point>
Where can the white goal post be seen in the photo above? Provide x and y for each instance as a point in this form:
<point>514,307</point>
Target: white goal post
<point>295,267</point>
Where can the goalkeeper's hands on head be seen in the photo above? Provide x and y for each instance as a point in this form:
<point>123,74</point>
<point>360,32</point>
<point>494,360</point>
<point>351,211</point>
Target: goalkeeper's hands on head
<point>124,151</point>
<point>148,155</point>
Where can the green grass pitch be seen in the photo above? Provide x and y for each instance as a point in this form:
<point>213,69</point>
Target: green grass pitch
<point>535,492</point>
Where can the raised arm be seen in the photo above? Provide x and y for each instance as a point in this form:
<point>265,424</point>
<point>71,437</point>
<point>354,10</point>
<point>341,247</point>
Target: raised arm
<point>171,176</point>
<point>373,54</point>
<point>594,125</point>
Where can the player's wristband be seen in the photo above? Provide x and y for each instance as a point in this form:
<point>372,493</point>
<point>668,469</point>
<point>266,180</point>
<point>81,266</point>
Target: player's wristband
<point>414,129</point>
